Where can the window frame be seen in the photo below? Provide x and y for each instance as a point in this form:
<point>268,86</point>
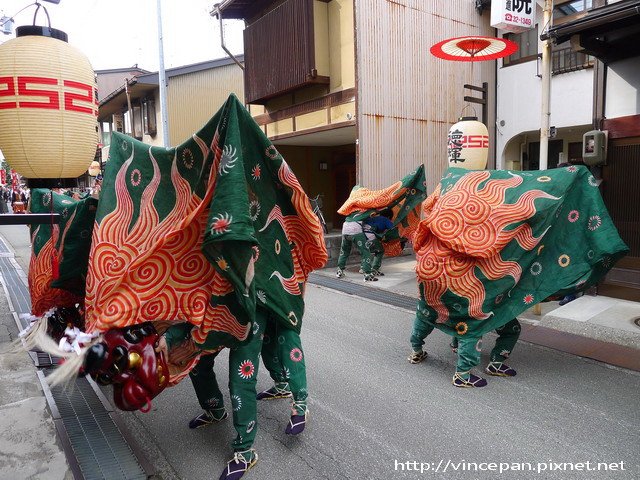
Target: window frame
<point>508,61</point>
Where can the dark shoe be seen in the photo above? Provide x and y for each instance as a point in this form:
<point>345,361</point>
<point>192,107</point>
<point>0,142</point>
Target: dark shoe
<point>454,347</point>
<point>417,357</point>
<point>240,464</point>
<point>377,273</point>
<point>208,417</point>
<point>370,277</point>
<point>275,392</point>
<point>296,424</point>
<point>567,299</point>
<point>473,381</point>
<point>499,369</point>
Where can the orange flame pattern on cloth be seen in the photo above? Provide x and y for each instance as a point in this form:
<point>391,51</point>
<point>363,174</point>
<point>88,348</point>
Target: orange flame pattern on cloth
<point>156,270</point>
<point>43,296</point>
<point>465,228</point>
<point>303,231</point>
<point>363,199</point>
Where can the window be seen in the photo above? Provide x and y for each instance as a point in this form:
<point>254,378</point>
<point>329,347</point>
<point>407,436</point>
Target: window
<point>527,42</point>
<point>575,153</point>
<point>137,122</point>
<point>564,11</point>
<point>564,60</point>
<point>280,52</point>
<point>149,116</point>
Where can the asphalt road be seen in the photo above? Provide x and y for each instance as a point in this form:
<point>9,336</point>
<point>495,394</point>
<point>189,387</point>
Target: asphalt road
<point>369,408</point>
<point>371,412</point>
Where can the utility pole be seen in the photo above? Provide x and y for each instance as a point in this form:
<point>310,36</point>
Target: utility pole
<point>546,88</point>
<point>162,80</point>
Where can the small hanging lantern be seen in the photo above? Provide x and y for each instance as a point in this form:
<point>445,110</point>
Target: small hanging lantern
<point>48,106</point>
<point>468,144</point>
<point>94,169</point>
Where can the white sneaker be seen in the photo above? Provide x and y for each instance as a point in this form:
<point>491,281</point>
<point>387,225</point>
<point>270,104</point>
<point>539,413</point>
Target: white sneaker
<point>340,273</point>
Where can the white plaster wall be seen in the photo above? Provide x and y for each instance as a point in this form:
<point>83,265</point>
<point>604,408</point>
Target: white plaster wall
<point>519,100</point>
<point>623,88</point>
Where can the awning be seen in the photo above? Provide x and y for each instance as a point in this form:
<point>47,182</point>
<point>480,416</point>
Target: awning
<point>608,33</point>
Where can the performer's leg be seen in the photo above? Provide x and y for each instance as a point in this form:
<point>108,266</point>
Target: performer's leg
<point>284,358</point>
<point>377,250</point>
<point>345,251</point>
<point>468,357</point>
<point>293,361</point>
<point>365,265</point>
<point>272,360</point>
<point>243,374</point>
<point>209,396</point>
<point>508,335</point>
<point>421,328</point>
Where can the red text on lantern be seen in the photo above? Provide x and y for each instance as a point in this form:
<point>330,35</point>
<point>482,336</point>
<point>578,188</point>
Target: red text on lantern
<point>470,141</point>
<point>26,87</point>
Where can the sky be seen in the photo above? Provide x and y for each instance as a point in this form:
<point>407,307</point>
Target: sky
<point>122,33</point>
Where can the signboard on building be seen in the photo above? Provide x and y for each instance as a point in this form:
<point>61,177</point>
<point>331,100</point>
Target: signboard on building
<point>513,15</point>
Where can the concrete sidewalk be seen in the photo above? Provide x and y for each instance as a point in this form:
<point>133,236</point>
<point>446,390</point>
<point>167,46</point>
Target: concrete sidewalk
<point>29,446</point>
<point>610,321</point>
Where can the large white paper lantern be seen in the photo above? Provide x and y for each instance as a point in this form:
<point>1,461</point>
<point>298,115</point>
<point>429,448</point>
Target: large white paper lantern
<point>48,105</point>
<point>468,144</point>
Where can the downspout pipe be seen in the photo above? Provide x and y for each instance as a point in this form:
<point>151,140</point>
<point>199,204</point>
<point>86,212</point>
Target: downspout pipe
<point>546,90</point>
<point>217,12</point>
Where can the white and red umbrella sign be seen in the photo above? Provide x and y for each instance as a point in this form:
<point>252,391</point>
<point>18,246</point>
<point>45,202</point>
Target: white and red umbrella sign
<point>473,48</point>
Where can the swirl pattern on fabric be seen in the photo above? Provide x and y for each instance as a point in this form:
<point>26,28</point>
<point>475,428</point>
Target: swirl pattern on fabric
<point>481,259</point>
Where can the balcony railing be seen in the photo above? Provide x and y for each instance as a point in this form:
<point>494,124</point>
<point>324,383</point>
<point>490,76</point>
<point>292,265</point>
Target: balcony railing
<point>565,60</point>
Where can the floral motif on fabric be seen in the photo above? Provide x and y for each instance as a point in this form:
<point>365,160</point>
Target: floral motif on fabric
<point>594,222</point>
<point>221,223</point>
<point>272,152</point>
<point>187,158</point>
<point>228,160</point>
<point>261,296</point>
<point>564,260</point>
<point>573,216</point>
<point>536,268</point>
<point>296,355</point>
<point>254,210</point>
<point>135,178</point>
<point>246,369</point>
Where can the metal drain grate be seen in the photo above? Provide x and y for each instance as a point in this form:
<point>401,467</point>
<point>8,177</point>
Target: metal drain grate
<point>3,248</point>
<point>43,360</point>
<point>88,431</point>
<point>95,447</point>
<point>370,293</point>
<point>16,288</point>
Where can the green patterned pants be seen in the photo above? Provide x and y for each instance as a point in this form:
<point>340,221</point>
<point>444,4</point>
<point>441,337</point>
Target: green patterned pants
<point>377,251</point>
<point>345,250</point>
<point>243,375</point>
<point>283,356</point>
<point>469,349</point>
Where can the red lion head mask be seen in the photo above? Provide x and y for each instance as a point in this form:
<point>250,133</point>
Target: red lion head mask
<point>126,358</point>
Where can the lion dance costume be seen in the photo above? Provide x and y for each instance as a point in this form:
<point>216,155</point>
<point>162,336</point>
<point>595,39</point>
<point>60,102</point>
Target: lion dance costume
<point>209,243</point>
<point>494,243</point>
